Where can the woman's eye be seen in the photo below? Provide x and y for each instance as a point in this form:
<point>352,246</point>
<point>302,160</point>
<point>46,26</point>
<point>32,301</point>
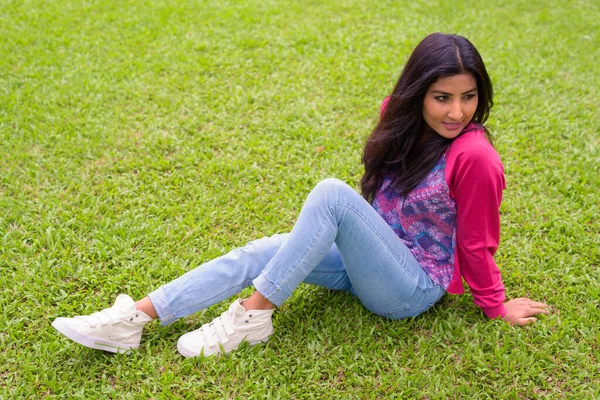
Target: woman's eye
<point>441,98</point>
<point>469,96</point>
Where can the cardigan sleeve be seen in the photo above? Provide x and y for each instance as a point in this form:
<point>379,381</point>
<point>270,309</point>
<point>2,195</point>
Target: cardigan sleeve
<point>476,184</point>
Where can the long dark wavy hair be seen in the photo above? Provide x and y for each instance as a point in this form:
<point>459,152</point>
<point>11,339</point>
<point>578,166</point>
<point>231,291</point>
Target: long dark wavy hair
<point>397,146</point>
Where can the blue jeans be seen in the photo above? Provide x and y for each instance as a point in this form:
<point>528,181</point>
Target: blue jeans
<point>339,242</point>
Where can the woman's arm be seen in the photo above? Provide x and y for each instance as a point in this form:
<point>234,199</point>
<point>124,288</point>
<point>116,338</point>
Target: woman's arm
<point>476,183</point>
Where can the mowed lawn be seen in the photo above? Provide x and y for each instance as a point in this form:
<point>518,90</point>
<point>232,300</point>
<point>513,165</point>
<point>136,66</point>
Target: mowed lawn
<point>142,138</point>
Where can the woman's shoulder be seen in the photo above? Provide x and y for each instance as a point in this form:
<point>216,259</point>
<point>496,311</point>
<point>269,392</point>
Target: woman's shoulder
<point>473,146</point>
<point>472,160</point>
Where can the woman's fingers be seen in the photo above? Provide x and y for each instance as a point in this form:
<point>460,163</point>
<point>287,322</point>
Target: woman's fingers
<point>535,308</point>
<point>534,311</point>
<point>536,304</point>
<point>527,321</point>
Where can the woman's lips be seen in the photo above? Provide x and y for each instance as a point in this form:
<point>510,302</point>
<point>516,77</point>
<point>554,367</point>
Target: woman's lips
<point>451,126</point>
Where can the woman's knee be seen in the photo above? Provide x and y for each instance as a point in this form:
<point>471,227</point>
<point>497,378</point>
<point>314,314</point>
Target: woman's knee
<point>330,183</point>
<point>332,186</point>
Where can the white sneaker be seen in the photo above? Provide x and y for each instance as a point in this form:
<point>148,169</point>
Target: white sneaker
<point>117,329</point>
<point>228,331</point>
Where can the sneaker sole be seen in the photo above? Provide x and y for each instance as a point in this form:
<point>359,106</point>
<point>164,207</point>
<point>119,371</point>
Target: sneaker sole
<point>189,354</point>
<point>90,341</point>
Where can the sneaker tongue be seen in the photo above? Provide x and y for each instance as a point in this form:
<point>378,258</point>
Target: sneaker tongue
<point>124,304</point>
<point>236,311</point>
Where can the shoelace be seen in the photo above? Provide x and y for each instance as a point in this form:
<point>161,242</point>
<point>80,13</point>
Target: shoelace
<point>220,326</point>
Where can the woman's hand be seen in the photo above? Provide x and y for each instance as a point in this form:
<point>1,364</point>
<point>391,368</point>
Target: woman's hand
<point>521,311</point>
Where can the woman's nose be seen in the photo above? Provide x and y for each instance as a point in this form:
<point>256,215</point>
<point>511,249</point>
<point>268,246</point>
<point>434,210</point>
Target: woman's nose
<point>456,113</point>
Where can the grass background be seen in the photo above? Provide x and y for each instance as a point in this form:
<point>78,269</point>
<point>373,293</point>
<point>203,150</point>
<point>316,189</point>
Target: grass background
<point>141,138</point>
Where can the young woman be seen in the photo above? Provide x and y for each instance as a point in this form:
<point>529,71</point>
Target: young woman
<point>428,218</point>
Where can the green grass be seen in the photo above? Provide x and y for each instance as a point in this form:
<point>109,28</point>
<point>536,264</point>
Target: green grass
<point>141,138</point>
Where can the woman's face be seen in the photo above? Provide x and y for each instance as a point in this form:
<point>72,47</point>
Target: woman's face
<point>450,103</point>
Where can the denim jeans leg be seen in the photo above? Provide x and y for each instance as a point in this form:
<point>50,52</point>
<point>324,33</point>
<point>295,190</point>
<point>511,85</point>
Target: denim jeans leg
<point>214,281</point>
<point>364,256</point>
<point>222,277</point>
<point>381,270</point>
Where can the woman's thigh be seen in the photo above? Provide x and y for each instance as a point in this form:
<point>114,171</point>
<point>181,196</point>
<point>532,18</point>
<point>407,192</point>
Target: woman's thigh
<point>381,270</point>
<point>385,287</point>
<point>370,260</point>
<point>384,274</point>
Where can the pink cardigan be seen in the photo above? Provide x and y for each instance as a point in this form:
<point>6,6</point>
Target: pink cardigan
<point>475,176</point>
